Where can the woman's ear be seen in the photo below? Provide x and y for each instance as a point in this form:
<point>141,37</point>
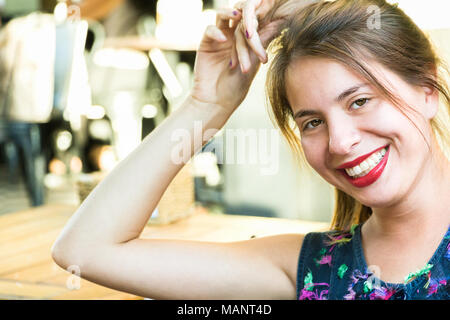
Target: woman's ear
<point>431,102</point>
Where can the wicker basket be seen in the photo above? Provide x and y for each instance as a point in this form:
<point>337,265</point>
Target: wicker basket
<point>86,182</point>
<point>176,203</point>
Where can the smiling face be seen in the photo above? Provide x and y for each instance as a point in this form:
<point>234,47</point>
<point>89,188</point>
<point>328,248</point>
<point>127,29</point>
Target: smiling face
<point>355,138</point>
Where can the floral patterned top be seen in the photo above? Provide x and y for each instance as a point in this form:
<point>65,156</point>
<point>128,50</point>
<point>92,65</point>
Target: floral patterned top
<point>332,267</point>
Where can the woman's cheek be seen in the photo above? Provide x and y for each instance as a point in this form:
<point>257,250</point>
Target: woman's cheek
<point>315,150</point>
<point>389,123</point>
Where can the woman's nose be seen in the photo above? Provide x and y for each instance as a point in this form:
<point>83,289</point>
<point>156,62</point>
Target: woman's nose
<point>343,136</point>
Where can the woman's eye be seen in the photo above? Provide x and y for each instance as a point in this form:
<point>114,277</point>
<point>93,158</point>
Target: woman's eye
<point>359,103</point>
<point>313,124</point>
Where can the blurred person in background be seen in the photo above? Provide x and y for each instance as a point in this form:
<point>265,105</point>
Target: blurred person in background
<point>27,56</point>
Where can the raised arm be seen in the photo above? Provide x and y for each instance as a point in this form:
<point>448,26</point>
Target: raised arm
<point>102,237</point>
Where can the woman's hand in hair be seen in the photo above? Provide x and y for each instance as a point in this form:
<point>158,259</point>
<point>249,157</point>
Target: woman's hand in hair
<point>261,20</point>
<point>216,81</point>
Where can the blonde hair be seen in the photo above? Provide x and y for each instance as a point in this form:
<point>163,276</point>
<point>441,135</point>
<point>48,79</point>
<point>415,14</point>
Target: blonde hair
<point>339,30</point>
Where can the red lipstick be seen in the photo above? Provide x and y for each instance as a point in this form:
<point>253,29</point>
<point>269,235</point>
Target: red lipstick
<point>358,160</point>
<point>369,178</point>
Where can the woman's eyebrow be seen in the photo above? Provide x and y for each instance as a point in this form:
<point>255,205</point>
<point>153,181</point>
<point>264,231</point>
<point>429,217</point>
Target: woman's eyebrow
<point>349,91</point>
<point>304,113</point>
<point>342,96</point>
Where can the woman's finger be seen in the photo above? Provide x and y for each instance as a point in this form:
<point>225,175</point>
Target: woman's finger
<point>250,26</point>
<point>242,51</point>
<point>256,45</point>
<point>215,33</point>
<point>234,60</point>
<point>250,19</point>
<point>223,17</point>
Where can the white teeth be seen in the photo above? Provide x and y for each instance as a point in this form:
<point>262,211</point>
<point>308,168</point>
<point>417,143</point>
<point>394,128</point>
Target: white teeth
<point>367,165</point>
<point>364,166</point>
<point>374,157</point>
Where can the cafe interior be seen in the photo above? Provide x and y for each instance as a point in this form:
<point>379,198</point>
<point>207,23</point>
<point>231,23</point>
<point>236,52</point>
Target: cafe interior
<point>83,82</point>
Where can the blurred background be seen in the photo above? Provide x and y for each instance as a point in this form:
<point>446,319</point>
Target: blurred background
<point>83,82</point>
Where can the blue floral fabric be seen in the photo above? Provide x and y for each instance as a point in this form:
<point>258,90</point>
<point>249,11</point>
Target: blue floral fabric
<point>332,267</point>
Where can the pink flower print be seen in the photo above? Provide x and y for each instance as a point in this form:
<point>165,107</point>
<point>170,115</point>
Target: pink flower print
<point>338,240</point>
<point>357,275</point>
<point>432,289</point>
<point>382,293</point>
<point>350,295</point>
<point>311,295</point>
<point>434,286</point>
<point>326,259</point>
<point>323,295</point>
<point>308,294</point>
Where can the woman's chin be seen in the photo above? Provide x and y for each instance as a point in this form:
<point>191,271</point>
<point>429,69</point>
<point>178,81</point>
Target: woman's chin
<point>377,196</point>
<point>383,196</point>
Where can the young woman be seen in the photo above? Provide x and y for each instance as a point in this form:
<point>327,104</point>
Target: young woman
<point>364,95</point>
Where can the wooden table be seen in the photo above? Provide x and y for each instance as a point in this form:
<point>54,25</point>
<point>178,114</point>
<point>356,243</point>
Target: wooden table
<point>27,270</point>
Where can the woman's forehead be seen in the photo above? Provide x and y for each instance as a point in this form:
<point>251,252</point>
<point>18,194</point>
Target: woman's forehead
<point>316,81</point>
<point>319,79</point>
